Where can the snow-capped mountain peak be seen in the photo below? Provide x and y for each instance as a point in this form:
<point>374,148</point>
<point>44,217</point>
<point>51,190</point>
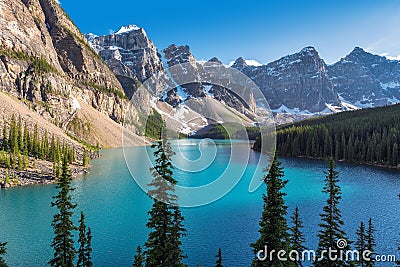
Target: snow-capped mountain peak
<point>129,28</point>
<point>240,63</point>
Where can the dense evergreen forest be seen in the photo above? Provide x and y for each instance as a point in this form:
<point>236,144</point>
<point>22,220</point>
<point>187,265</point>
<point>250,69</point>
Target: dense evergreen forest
<point>227,131</point>
<point>369,136</point>
<point>18,143</point>
<point>154,123</point>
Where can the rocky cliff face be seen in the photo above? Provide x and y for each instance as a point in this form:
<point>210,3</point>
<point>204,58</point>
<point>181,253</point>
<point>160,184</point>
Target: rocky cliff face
<point>133,57</point>
<point>130,54</point>
<point>366,80</point>
<point>299,81</point>
<point>181,55</point>
<point>45,60</point>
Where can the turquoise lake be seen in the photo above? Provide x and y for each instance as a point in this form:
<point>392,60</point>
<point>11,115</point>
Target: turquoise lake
<point>116,207</point>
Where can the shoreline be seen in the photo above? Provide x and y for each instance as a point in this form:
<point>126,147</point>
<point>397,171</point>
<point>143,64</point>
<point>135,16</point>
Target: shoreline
<point>31,177</point>
<point>39,172</point>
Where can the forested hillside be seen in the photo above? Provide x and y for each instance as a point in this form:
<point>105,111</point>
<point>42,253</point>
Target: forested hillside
<point>365,136</point>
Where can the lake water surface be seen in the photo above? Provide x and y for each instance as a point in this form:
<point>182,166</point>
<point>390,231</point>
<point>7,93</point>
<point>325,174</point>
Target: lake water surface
<point>116,208</point>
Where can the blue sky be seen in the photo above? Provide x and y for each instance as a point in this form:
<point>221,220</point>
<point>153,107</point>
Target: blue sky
<point>260,30</point>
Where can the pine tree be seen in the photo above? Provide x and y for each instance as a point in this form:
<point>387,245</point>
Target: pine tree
<point>13,136</point>
<point>273,225</point>
<point>45,146</point>
<point>13,161</point>
<point>20,137</point>
<point>26,160</point>
<point>174,242</point>
<point>395,156</point>
<point>35,142</point>
<point>138,260</point>
<point>85,160</point>
<point>296,237</point>
<point>2,253</point>
<point>88,249</point>
<point>163,243</point>
<point>63,243</point>
<point>360,244</point>
<point>7,177</point>
<point>331,226</point>
<point>370,242</point>
<point>8,161</point>
<point>219,258</point>
<point>52,152</point>
<point>20,162</point>
<point>5,139</point>
<point>84,256</point>
<point>25,145</point>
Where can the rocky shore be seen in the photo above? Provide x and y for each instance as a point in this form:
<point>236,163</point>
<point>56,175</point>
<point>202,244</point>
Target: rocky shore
<point>41,174</point>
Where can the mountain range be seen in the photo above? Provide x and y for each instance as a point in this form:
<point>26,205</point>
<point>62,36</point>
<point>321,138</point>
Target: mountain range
<point>299,84</point>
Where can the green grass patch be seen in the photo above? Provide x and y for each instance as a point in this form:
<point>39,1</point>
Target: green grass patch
<point>107,90</point>
<point>39,64</point>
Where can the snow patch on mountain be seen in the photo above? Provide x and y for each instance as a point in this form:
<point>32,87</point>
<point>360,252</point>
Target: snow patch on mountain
<point>252,62</point>
<point>75,104</point>
<point>285,109</point>
<point>129,28</point>
<point>249,62</point>
<point>179,90</point>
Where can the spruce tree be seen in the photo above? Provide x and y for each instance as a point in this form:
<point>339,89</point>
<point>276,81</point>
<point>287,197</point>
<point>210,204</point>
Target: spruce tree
<point>395,157</point>
<point>25,145</point>
<point>296,236</point>
<point>63,243</point>
<point>361,244</point>
<point>20,137</point>
<point>13,136</point>
<point>52,152</point>
<point>84,255</point>
<point>20,162</point>
<point>26,160</point>
<point>273,225</point>
<point>219,258</point>
<point>174,242</point>
<point>331,223</point>
<point>163,243</point>
<point>88,249</point>
<point>4,143</point>
<point>370,242</point>
<point>85,160</point>
<point>138,260</point>
<point>35,142</point>
<point>2,253</point>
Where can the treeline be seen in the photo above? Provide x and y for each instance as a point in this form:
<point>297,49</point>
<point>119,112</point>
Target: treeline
<point>20,142</point>
<point>364,136</point>
<point>154,124</point>
<point>227,131</point>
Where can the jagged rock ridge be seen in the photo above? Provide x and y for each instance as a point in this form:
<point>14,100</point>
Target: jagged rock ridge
<point>299,81</point>
<point>366,80</point>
